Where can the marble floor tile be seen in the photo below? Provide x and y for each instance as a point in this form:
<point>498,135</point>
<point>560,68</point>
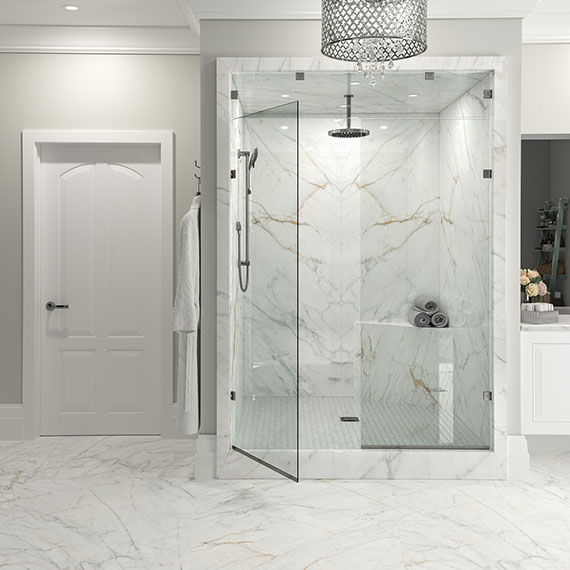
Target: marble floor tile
<point>313,524</point>
<point>482,525</point>
<point>108,523</point>
<point>550,469</point>
<point>95,457</point>
<point>129,503</point>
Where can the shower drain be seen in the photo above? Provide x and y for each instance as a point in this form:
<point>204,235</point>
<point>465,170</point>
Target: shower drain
<point>349,419</point>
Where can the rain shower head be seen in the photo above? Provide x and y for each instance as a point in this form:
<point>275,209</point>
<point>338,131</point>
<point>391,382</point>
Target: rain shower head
<point>253,158</point>
<point>349,132</point>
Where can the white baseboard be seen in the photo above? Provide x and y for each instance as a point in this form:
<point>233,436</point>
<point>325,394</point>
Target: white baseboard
<point>12,422</point>
<point>205,467</point>
<point>518,458</point>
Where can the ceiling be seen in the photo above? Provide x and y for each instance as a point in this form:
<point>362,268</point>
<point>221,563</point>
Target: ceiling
<point>172,26</point>
<point>92,13</point>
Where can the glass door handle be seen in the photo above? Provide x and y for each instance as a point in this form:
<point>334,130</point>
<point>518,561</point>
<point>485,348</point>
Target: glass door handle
<point>51,306</point>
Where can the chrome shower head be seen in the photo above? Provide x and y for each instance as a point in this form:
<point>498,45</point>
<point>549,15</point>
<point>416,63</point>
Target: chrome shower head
<point>253,158</point>
<point>348,132</point>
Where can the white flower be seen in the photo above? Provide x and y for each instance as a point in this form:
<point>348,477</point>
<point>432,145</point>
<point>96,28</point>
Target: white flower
<point>532,290</point>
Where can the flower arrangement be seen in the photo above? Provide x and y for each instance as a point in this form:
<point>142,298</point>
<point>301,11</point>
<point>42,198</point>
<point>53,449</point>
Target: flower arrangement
<point>532,283</point>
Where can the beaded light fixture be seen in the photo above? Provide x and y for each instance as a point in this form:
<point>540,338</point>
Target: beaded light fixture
<point>374,33</point>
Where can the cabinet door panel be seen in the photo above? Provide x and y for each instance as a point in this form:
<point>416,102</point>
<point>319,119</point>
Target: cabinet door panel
<point>551,389</point>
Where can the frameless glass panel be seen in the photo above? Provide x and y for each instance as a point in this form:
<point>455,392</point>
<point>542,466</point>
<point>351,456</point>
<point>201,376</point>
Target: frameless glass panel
<point>427,232</point>
<point>266,407</point>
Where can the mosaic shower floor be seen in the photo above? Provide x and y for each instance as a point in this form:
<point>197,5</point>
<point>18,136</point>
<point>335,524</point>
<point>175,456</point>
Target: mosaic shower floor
<point>270,423</point>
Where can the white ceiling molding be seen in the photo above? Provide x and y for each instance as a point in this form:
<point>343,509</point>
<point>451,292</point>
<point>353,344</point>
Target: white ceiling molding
<point>546,29</point>
<point>311,9</point>
<point>93,39</point>
<point>191,19</point>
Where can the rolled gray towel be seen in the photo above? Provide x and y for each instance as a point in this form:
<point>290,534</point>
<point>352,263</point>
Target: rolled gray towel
<point>439,320</point>
<point>426,304</point>
<point>419,318</point>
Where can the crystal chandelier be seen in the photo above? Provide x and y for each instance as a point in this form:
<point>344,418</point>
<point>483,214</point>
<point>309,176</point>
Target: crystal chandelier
<point>374,33</point>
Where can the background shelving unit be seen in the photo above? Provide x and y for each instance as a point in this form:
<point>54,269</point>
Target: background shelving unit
<point>559,229</point>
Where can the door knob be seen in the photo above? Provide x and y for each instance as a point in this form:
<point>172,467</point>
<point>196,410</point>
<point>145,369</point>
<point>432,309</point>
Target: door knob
<point>51,306</point>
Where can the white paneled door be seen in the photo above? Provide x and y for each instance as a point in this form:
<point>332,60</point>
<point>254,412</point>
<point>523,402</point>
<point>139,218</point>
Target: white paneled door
<point>100,257</point>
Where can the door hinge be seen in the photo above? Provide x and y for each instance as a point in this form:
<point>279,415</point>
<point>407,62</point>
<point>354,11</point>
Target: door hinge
<point>488,396</point>
<point>233,396</point>
<point>487,174</point>
<point>235,94</point>
<point>233,174</point>
<point>487,94</point>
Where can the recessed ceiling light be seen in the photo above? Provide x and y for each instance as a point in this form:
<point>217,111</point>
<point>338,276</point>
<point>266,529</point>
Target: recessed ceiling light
<point>412,95</point>
<point>383,127</point>
<point>284,127</point>
<point>343,106</point>
<point>355,82</point>
<point>285,96</point>
<point>70,7</point>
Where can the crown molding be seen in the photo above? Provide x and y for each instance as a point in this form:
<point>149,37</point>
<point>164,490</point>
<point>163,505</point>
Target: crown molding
<point>553,28</point>
<point>98,39</point>
<point>193,22</point>
<point>311,9</point>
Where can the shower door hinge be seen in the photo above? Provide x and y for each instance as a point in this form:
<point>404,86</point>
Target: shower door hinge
<point>488,396</point>
<point>235,94</point>
<point>233,174</point>
<point>300,76</point>
<point>430,75</point>
<point>487,94</point>
<point>233,396</point>
<point>487,174</point>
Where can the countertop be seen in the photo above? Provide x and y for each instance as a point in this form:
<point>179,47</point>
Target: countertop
<point>563,325</point>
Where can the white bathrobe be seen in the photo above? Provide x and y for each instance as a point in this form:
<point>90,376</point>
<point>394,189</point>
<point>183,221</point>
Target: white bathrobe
<point>186,317</point>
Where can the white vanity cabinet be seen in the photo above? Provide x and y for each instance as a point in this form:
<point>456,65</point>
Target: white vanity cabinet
<point>545,375</point>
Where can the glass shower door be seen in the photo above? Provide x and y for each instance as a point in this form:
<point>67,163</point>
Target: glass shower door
<point>266,407</point>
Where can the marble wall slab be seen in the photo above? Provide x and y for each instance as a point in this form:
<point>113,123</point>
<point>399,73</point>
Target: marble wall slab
<point>401,211</point>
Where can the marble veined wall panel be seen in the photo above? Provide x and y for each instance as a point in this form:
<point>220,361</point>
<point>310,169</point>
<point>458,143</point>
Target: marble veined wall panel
<point>401,211</point>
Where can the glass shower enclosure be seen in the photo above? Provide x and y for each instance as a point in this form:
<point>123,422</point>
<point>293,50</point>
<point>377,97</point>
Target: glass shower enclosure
<point>267,400</point>
<point>345,235</point>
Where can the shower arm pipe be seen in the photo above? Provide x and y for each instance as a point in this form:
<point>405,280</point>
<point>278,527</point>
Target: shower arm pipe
<point>349,111</point>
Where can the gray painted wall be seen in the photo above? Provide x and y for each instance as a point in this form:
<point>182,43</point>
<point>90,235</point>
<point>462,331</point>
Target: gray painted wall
<point>545,176</point>
<point>301,38</point>
<point>75,92</point>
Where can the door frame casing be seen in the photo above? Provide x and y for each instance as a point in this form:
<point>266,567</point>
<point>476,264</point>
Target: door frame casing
<point>32,141</point>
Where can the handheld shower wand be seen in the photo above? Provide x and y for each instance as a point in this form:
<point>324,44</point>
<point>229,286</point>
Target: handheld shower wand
<point>251,159</point>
